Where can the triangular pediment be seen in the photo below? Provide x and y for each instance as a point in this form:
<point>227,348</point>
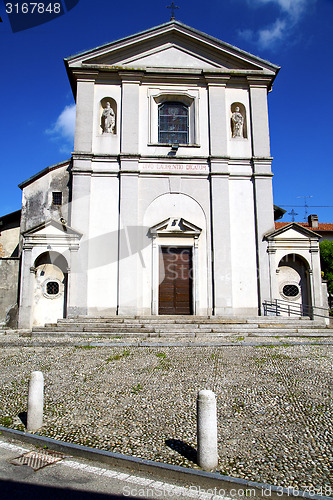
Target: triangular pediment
<point>170,56</point>
<point>51,228</point>
<point>171,45</point>
<point>175,226</point>
<point>292,231</point>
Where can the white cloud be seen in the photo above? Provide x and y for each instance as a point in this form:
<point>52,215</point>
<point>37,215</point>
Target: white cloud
<point>267,37</point>
<point>272,34</point>
<point>64,128</point>
<point>294,8</point>
<point>279,30</point>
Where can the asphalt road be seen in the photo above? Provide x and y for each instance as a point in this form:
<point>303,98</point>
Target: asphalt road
<point>73,479</point>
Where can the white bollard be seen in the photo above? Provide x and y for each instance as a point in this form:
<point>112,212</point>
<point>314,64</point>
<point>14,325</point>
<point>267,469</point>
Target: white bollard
<point>206,430</point>
<point>35,401</point>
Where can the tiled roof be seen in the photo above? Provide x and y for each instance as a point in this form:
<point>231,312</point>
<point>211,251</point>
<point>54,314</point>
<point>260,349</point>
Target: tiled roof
<point>322,226</point>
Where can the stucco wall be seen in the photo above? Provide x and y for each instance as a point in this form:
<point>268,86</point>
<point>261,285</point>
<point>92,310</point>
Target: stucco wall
<point>9,240</point>
<point>9,269</point>
<point>37,198</point>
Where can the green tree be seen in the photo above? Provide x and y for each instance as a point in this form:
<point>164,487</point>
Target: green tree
<point>326,259</point>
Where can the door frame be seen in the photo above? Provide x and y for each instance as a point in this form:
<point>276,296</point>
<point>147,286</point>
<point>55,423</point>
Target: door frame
<point>190,282</point>
<point>174,242</point>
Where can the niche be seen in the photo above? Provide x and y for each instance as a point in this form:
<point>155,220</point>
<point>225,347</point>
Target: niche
<point>108,116</point>
<point>238,121</point>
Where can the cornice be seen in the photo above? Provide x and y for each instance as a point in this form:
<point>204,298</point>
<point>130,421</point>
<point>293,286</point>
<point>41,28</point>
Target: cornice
<point>260,81</point>
<point>131,76</point>
<point>85,74</point>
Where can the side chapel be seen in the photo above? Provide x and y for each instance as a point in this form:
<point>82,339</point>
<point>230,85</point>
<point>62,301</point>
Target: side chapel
<point>166,204</point>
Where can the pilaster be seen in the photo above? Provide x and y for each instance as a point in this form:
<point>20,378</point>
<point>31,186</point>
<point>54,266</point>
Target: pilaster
<point>130,112</point>
<point>27,289</point>
<point>84,112</point>
<point>130,243</point>
<point>264,219</point>
<point>259,116</point>
<point>217,112</point>
<point>80,219</point>
<point>221,239</point>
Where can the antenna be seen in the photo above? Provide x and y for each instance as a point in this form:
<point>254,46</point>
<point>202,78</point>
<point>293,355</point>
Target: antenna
<point>306,206</point>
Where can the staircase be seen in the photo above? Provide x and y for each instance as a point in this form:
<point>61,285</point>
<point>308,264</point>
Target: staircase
<point>183,326</point>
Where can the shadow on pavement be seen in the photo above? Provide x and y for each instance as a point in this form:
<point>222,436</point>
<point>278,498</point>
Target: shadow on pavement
<point>16,491</point>
<point>183,449</point>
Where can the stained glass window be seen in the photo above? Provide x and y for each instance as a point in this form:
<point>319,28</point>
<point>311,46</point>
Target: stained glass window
<point>173,123</point>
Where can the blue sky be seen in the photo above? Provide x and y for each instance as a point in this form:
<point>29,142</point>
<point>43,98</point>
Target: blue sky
<point>37,106</point>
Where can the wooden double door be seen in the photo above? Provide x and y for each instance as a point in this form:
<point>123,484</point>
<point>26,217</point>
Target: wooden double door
<point>176,280</point>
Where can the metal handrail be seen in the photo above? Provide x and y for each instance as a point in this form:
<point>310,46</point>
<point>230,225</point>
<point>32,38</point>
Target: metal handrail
<point>277,306</point>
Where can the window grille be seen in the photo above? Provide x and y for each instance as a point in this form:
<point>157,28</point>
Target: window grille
<point>290,290</point>
<point>52,288</point>
<point>57,198</point>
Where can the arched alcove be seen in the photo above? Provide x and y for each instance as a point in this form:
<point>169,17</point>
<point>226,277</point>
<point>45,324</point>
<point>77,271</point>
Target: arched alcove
<point>293,281</point>
<point>50,288</point>
<point>238,122</point>
<point>108,116</point>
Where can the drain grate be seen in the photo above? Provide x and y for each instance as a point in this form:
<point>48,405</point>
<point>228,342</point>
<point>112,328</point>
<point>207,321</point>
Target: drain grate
<point>38,459</point>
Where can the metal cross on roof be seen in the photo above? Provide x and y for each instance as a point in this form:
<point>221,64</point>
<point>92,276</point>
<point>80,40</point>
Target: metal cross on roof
<point>293,214</point>
<point>173,7</point>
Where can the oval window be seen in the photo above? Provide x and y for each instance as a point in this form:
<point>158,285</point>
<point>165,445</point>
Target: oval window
<point>290,290</point>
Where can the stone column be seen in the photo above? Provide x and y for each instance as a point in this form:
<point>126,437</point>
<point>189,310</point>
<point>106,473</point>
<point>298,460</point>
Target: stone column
<point>27,288</point>
<point>35,402</point>
<point>207,430</point>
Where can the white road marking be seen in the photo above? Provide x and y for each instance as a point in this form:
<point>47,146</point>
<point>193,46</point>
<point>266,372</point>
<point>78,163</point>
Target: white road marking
<point>179,491</point>
<point>13,447</point>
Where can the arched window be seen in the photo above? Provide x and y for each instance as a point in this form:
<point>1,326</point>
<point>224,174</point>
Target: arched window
<point>173,123</point>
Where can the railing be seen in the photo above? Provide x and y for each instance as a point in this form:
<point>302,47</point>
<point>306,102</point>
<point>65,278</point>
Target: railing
<point>279,307</point>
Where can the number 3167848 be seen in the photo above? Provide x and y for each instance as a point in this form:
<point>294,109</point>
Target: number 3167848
<point>33,8</point>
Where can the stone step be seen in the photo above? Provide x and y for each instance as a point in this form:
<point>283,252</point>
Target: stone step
<point>148,320</point>
<point>183,325</point>
<point>262,332</point>
<point>213,328</point>
<point>172,335</point>
<point>82,329</point>
<point>187,326</point>
<point>191,320</point>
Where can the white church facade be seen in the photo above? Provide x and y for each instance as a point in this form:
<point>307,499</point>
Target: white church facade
<point>166,205</point>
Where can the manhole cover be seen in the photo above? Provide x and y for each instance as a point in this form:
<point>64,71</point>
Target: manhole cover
<point>38,459</point>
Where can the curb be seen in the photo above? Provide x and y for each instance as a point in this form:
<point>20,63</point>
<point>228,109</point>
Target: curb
<point>207,480</point>
<point>129,343</point>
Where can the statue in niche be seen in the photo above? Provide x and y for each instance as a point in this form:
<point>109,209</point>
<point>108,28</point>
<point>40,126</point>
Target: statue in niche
<point>108,121</point>
<point>237,120</point>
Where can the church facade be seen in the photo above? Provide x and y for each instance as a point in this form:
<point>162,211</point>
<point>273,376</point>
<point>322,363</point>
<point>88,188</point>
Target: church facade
<point>166,205</point>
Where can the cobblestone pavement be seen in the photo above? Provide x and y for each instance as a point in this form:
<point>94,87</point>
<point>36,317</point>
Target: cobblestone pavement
<point>274,404</point>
